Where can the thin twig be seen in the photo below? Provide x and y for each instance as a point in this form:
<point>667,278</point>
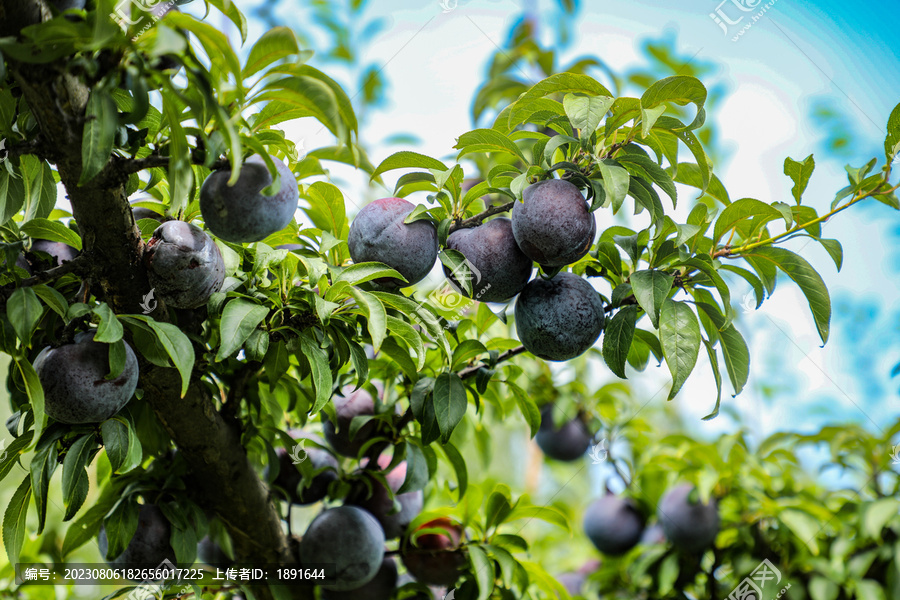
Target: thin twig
<point>478,219</point>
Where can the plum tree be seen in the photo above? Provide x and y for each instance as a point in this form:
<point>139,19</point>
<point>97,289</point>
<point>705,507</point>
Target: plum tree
<point>379,234</point>
<point>59,253</point>
<point>559,318</point>
<point>552,224</point>
<point>184,264</point>
<point>689,524</point>
<point>613,524</point>
<point>492,250</point>
<point>289,477</point>
<point>381,587</point>
<point>354,403</point>
<point>241,212</point>
<point>434,558</point>
<point>348,538</point>
<point>73,376</point>
<point>568,442</point>
<point>149,546</point>
<point>375,498</point>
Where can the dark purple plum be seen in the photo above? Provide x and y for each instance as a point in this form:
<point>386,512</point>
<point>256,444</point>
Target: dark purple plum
<point>491,249</point>
<point>351,404</point>
<point>559,318</point>
<point>348,538</point>
<point>185,265</point>
<point>58,252</point>
<point>241,213</point>
<point>379,234</point>
<point>150,545</point>
<point>289,476</point>
<point>613,524</point>
<point>380,502</point>
<point>690,525</point>
<point>553,224</point>
<point>653,534</point>
<point>435,558</point>
<point>21,262</point>
<point>74,380</point>
<point>380,588</point>
<point>567,443</point>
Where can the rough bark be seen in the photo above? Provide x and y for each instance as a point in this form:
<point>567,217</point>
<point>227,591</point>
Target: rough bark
<point>223,478</point>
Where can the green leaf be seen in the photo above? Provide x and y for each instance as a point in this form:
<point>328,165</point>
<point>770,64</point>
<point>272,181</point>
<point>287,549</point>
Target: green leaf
<point>680,89</point>
<point>653,171</point>
<point>14,521</point>
<point>85,528</point>
<point>869,589</point>
<point>450,403</point>
<point>835,251</point>
<point>229,9</point>
<point>54,231</point>
<point>174,341</point>
<point>101,123</point>
<point>121,525</point>
<point>821,588</point>
<point>487,141</point>
<point>548,514</point>
<point>734,348</point>
<point>215,43</point>
<point>586,112</point>
<point>649,116</point>
<point>892,140</point>
<point>375,313</point>
<point>320,369</point>
<point>483,567</point>
<point>804,526</point>
<point>367,271</point>
<point>12,195</point>
<point>52,298</point>
<point>110,329</point>
<point>617,339</point>
<point>35,395</point>
<point>75,476</point>
<point>742,210</point>
<point>327,203</point>
<point>40,187</point>
<point>24,311</point>
<point>616,181</point>
<point>115,440</point>
<point>651,288</point>
<point>11,454</point>
<point>679,334</point>
<point>809,281</point>
<point>458,463</point>
<point>717,375</point>
<point>799,172</point>
<point>877,515</point>
<point>408,160</point>
<point>527,406</point>
<point>239,318</point>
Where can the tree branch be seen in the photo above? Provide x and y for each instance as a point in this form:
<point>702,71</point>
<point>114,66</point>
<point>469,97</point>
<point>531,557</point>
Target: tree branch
<point>472,370</point>
<point>476,220</point>
<point>79,265</point>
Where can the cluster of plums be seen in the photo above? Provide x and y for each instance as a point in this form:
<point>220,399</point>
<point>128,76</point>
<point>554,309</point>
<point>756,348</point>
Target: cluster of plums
<point>557,318</point>
<point>352,536</point>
